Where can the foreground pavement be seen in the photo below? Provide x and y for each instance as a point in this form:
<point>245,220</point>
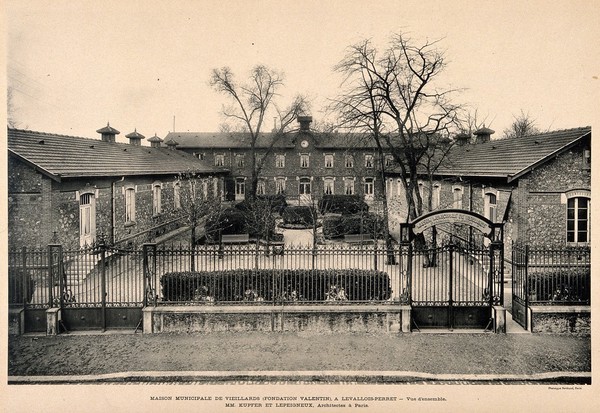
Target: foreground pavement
<point>454,358</point>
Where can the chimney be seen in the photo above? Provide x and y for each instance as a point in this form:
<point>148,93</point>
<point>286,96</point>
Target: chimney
<point>171,143</point>
<point>155,141</point>
<point>462,139</point>
<point>483,135</point>
<point>135,138</point>
<point>108,133</point>
<point>305,122</point>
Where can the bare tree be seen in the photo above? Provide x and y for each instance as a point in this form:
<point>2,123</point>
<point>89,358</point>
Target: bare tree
<point>251,105</point>
<point>197,198</point>
<point>393,96</point>
<point>523,125</point>
<point>11,109</point>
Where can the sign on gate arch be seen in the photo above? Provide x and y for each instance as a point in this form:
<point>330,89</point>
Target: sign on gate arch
<point>490,229</point>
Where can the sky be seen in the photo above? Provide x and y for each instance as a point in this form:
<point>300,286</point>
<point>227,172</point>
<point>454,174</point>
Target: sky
<point>73,66</point>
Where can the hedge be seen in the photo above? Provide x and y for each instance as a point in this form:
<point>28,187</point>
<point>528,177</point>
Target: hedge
<point>277,203</point>
<point>299,215</point>
<point>338,226</point>
<point>342,204</point>
<point>289,285</point>
<point>20,285</point>
<point>557,287</point>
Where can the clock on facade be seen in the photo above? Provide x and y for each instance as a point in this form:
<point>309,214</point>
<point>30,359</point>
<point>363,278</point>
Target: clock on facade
<point>304,144</point>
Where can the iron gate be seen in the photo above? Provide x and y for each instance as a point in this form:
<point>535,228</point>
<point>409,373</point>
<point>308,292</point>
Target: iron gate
<point>100,287</point>
<point>520,297</point>
<point>455,287</point>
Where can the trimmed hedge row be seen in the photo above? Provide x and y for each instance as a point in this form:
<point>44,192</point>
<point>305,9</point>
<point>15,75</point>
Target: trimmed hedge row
<point>277,203</point>
<point>342,204</point>
<point>559,286</point>
<point>338,226</point>
<point>20,286</point>
<point>279,285</point>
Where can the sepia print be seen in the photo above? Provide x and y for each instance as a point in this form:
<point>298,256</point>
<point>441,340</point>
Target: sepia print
<point>299,206</point>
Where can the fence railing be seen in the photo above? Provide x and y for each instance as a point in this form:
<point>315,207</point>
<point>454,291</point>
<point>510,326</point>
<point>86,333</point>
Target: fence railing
<point>551,276</point>
<point>261,274</point>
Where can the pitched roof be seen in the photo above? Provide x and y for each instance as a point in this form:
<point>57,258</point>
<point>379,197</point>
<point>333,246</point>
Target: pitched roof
<point>61,156</point>
<point>234,140</point>
<point>510,158</point>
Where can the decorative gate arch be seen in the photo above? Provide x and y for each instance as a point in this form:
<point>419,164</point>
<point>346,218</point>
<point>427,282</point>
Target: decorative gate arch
<point>455,284</point>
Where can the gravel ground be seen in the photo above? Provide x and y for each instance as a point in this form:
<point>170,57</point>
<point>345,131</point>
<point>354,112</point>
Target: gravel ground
<point>458,353</point>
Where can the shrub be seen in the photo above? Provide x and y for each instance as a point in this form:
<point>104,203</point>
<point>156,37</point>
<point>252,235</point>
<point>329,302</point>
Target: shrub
<point>558,287</point>
<point>229,221</point>
<point>20,286</point>
<point>342,204</point>
<point>279,285</point>
<point>276,203</point>
<point>338,226</point>
<point>298,215</point>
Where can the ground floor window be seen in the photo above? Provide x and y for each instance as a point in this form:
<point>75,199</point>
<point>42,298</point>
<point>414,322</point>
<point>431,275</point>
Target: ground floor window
<point>328,186</point>
<point>369,187</point>
<point>240,188</point>
<point>490,206</point>
<point>280,185</point>
<point>349,186</point>
<point>130,205</point>
<point>156,199</point>
<point>578,219</point>
<point>260,187</point>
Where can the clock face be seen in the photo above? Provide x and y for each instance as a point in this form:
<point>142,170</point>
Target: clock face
<point>304,144</point>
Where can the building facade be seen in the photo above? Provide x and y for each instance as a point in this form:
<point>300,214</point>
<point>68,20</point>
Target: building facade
<point>302,165</point>
<point>72,190</point>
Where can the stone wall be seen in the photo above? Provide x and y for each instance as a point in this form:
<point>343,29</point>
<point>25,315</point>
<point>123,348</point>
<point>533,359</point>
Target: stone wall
<point>561,319</point>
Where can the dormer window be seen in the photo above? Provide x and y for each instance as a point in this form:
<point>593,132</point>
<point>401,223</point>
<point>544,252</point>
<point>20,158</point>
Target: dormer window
<point>219,160</point>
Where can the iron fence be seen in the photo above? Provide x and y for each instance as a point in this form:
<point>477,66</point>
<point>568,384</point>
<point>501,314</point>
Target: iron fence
<point>267,274</point>
<point>551,276</point>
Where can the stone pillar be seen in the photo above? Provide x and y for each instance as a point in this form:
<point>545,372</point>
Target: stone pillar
<point>406,319</point>
<point>53,318</point>
<point>499,319</point>
<point>148,315</point>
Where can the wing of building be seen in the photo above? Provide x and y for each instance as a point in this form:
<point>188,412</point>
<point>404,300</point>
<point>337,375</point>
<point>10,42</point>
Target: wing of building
<point>71,189</point>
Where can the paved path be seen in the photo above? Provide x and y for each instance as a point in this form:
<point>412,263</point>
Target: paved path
<point>458,355</point>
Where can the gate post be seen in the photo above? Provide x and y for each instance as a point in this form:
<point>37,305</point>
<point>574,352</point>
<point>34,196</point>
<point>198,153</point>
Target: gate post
<point>102,248</point>
<point>149,252</point>
<point>53,314</point>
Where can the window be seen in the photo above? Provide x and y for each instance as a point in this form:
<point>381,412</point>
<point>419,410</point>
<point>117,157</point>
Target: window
<point>156,199</point>
<point>328,160</point>
<point>177,195</point>
<point>279,161</point>
<point>239,161</point>
<point>304,160</point>
<point>240,188</point>
<point>304,186</point>
<point>349,161</point>
<point>389,161</point>
<point>587,159</point>
<point>369,187</point>
<point>368,161</point>
<point>435,197</point>
<point>201,156</point>
<point>87,219</point>
<point>578,219</point>
<point>457,193</point>
<point>280,185</point>
<point>215,187</point>
<point>129,204</point>
<point>490,204</point>
<point>219,160</point>
<point>349,186</point>
<point>204,189</point>
<point>328,186</point>
<point>260,187</point>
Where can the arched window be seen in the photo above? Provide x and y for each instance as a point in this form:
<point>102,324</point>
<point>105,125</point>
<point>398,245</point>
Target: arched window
<point>156,198</point>
<point>129,204</point>
<point>490,206</point>
<point>578,219</point>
